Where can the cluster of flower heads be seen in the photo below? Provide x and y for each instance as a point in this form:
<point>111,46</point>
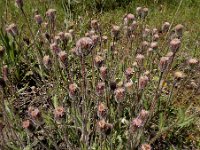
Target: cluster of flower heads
<point>85,45</point>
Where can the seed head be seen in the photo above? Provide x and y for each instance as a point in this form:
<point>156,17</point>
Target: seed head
<point>119,94</point>
<point>192,61</point>
<point>175,45</point>
<point>12,30</point>
<point>179,75</point>
<point>84,46</point>
<point>164,61</point>
<point>143,80</point>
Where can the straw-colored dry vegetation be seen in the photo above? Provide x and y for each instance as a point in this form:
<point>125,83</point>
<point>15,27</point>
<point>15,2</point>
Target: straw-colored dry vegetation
<point>105,75</point>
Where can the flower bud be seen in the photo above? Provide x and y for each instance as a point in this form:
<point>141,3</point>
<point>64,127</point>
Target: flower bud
<point>19,3</point>
<point>146,33</point>
<point>175,45</point>
<point>170,55</point>
<point>143,80</point>
<point>154,45</point>
<point>73,91</point>
<point>145,12</point>
<point>101,111</point>
<point>104,39</point>
<point>179,30</point>
<point>146,147</point>
<point>140,59</point>
<point>154,31</point>
<point>100,88</point>
<point>98,61</point>
<point>62,35</point>
<point>63,56</point>
<point>34,113</point>
<point>95,39</point>
<point>94,25</point>
<point>143,115</point>
<point>55,48</point>
<point>103,72</point>
<point>164,61</point>
<point>38,19</point>
<point>165,27</point>
<point>27,124</point>
<point>135,124</point>
<point>115,31</point>
<point>155,37</point>
<point>47,61</point>
<point>139,11</point>
<point>129,73</point>
<point>119,94</point>
<point>104,127</point>
<point>59,112</point>
<point>68,36</point>
<point>129,86</point>
<point>144,45</point>
<point>51,14</point>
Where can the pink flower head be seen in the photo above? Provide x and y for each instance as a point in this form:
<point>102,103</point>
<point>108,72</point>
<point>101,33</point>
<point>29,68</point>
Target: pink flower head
<point>84,46</point>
